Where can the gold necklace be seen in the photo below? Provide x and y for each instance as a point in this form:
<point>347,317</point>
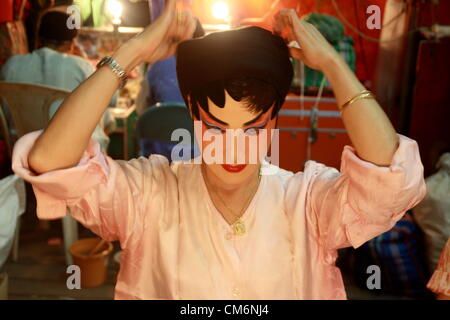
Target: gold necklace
<point>238,225</point>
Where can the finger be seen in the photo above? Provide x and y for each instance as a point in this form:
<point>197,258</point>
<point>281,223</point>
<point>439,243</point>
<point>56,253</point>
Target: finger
<point>291,36</point>
<point>288,17</point>
<point>163,22</point>
<point>297,53</point>
<point>280,22</point>
<point>184,28</point>
<point>303,33</point>
<point>287,22</point>
<point>169,13</point>
<point>277,26</point>
<point>177,20</point>
<point>170,7</point>
<point>189,29</point>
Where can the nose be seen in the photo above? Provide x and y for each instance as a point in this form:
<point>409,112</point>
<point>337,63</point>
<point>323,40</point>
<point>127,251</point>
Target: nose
<point>235,147</point>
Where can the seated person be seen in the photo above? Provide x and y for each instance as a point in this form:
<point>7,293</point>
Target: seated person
<point>54,64</point>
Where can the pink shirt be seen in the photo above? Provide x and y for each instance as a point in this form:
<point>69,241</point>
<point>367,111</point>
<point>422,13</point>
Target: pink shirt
<point>176,245</point>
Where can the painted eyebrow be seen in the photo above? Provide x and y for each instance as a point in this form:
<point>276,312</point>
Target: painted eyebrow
<point>215,119</point>
<point>254,120</point>
<point>226,124</point>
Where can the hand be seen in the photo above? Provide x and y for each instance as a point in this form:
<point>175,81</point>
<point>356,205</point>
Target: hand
<point>315,51</point>
<point>160,39</point>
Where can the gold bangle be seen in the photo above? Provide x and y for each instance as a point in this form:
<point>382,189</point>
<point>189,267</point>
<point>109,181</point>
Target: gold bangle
<point>366,94</point>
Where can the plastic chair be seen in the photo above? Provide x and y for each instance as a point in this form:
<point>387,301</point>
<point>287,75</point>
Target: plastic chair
<point>4,131</point>
<point>156,125</point>
<point>29,106</point>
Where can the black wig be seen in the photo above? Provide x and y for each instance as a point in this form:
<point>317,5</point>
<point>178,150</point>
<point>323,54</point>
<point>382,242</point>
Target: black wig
<point>250,63</point>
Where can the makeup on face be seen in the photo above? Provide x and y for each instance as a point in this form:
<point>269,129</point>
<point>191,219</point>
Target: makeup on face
<point>250,127</point>
<point>234,168</point>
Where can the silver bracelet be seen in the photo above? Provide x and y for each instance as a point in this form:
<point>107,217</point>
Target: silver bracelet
<point>116,68</point>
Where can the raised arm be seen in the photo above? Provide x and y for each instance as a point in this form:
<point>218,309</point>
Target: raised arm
<point>63,142</point>
<point>368,127</point>
<point>379,179</point>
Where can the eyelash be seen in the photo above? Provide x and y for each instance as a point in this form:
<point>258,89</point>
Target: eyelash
<point>223,130</point>
<point>214,127</point>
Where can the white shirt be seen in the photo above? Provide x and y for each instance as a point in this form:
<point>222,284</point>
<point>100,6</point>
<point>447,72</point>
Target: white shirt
<point>48,67</point>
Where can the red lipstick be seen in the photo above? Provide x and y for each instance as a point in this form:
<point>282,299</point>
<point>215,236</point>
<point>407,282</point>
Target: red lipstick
<point>234,168</point>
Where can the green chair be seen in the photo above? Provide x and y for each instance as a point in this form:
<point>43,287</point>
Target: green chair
<point>156,126</point>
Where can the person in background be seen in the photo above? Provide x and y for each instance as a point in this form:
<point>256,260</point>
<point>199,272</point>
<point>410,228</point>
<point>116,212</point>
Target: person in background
<point>56,63</point>
<point>31,13</point>
<point>440,281</point>
<point>89,45</point>
<point>160,84</point>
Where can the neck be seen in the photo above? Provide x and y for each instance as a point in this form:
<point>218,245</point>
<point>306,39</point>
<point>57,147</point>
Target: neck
<point>65,48</point>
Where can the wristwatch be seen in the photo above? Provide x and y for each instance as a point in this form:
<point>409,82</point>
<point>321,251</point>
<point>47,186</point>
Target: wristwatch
<point>116,68</point>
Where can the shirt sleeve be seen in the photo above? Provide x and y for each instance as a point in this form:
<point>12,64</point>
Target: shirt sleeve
<point>107,196</point>
<point>4,71</point>
<point>440,281</point>
<point>362,201</point>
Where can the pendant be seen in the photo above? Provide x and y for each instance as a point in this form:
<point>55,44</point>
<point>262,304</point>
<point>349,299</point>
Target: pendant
<point>239,228</point>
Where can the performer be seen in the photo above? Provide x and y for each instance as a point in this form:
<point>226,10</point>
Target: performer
<point>222,230</point>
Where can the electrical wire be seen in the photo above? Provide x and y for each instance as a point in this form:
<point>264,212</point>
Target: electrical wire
<point>312,135</point>
<point>394,18</point>
<point>302,88</point>
<point>366,37</point>
<point>361,44</point>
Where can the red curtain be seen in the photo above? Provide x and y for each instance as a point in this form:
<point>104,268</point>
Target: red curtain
<point>354,11</point>
<point>6,10</point>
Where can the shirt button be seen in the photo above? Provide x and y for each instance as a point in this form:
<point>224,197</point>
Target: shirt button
<point>236,292</point>
<point>228,235</point>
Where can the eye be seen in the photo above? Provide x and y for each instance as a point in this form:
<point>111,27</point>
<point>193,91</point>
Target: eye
<point>251,131</point>
<point>214,130</point>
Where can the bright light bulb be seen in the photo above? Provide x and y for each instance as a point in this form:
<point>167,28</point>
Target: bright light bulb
<point>220,10</point>
<point>115,9</point>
